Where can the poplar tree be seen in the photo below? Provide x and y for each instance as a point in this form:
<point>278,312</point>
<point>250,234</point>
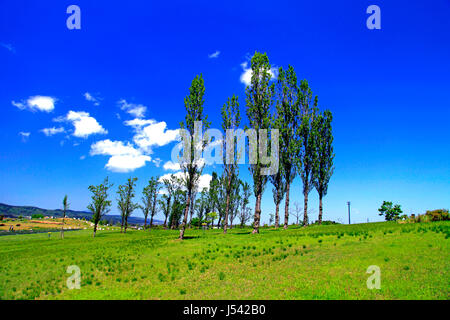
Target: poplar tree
<point>65,208</point>
<point>308,131</point>
<point>325,156</point>
<point>231,118</point>
<point>259,99</point>
<point>288,123</point>
<point>192,166</point>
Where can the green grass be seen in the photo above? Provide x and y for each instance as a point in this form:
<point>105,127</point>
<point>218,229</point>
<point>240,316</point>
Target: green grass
<point>318,262</point>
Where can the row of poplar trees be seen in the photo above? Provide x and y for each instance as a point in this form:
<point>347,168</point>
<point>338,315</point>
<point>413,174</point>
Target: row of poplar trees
<point>305,150</point>
<point>305,139</point>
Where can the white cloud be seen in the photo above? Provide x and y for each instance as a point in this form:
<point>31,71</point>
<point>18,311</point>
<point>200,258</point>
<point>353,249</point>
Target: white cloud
<point>137,110</point>
<point>151,133</point>
<point>169,165</point>
<point>246,76</point>
<point>214,55</point>
<point>52,131</point>
<point>90,97</point>
<point>83,157</point>
<point>36,103</point>
<point>84,124</point>
<point>157,162</point>
<point>124,157</point>
<point>24,135</point>
<point>8,46</point>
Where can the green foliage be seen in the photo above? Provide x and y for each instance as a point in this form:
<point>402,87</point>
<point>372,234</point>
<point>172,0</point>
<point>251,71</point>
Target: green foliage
<point>259,99</point>
<point>438,214</point>
<point>37,216</point>
<point>389,211</point>
<point>191,166</point>
<point>100,204</point>
<point>149,199</point>
<point>125,202</point>
<point>231,119</point>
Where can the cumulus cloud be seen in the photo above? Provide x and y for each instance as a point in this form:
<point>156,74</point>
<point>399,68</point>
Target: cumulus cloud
<point>136,110</point>
<point>149,133</point>
<point>52,131</point>
<point>169,165</point>
<point>123,157</point>
<point>36,103</point>
<point>214,55</point>
<point>91,98</point>
<point>246,76</point>
<point>84,124</point>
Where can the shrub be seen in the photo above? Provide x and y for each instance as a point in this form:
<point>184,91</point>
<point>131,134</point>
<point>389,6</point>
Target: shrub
<point>438,214</point>
<point>37,216</point>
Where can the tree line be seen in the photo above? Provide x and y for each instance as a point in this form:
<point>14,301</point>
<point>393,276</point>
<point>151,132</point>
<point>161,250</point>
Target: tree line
<point>305,139</point>
<point>305,143</point>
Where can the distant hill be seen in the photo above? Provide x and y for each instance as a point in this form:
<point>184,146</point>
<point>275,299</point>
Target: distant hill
<point>16,211</point>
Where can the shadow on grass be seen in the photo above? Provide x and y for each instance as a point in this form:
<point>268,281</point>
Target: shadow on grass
<point>241,233</point>
<point>190,237</point>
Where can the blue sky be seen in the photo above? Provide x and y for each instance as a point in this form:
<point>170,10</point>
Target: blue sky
<point>388,90</point>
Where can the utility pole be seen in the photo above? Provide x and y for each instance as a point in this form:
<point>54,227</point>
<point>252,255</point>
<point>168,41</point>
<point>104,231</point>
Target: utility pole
<point>348,203</point>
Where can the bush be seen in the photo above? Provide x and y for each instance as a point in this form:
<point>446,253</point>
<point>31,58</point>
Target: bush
<point>37,216</point>
<point>437,215</point>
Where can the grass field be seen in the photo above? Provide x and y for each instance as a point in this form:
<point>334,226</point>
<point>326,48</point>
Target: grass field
<point>318,262</point>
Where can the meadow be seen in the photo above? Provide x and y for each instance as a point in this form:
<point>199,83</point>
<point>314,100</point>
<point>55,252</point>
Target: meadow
<point>318,262</point>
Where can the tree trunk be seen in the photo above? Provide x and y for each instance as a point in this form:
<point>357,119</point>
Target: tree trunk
<point>257,214</point>
<point>320,208</point>
<point>305,210</point>
<point>186,212</point>
<point>277,216</point>
<point>62,227</point>
<point>218,222</point>
<point>225,225</point>
<point>165,222</point>
<point>95,229</point>
<point>145,222</point>
<point>286,206</point>
<point>126,225</point>
<point>151,222</point>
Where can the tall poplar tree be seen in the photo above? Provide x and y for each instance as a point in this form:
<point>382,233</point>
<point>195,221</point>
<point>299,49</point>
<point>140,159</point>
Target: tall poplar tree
<point>324,149</point>
<point>288,123</point>
<point>192,166</point>
<point>308,131</point>
<point>259,99</point>
<point>231,118</point>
